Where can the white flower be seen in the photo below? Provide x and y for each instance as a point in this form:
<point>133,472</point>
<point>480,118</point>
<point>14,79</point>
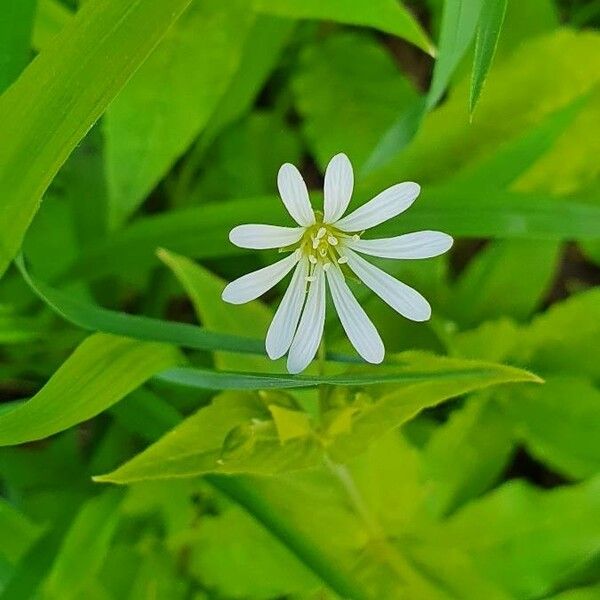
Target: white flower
<point>322,246</point>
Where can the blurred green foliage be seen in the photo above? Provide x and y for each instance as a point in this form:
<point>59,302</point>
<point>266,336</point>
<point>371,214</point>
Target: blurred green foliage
<point>133,137</point>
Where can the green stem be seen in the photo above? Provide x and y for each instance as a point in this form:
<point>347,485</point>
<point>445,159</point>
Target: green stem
<point>378,538</point>
<point>241,491</point>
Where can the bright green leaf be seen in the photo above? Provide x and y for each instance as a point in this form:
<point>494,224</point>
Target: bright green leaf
<point>85,67</point>
<point>466,455</point>
<point>386,15</point>
<point>101,371</point>
<point>559,423</point>
<point>170,99</point>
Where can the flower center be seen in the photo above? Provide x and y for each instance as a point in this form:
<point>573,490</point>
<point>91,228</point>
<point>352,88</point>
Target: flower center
<point>321,243</point>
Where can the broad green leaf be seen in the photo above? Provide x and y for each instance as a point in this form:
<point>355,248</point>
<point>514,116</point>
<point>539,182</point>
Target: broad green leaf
<point>236,433</point>
<point>527,540</point>
<point>566,338</point>
<point>278,509</point>
<point>204,290</point>
<point>559,423</point>
<point>84,547</point>
<point>518,155</point>
<point>569,167</point>
<point>170,99</point>
<point>357,69</point>
<point>466,455</point>
<point>101,371</point>
<point>239,558</point>
<point>507,278</point>
<point>94,318</point>
<point>18,532</point>
<point>85,66</point>
<point>386,15</point>
<point>459,23</point>
<point>488,32</point>
<point>202,232</point>
<point>16,26</point>
<point>519,91</point>
<point>401,403</point>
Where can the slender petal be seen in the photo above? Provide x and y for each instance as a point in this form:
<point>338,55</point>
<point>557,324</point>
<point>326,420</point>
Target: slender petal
<point>262,237</point>
<point>284,323</point>
<point>310,330</point>
<point>384,206</point>
<point>357,325</point>
<point>402,298</point>
<point>294,194</point>
<point>421,244</point>
<point>255,284</point>
<point>339,183</point>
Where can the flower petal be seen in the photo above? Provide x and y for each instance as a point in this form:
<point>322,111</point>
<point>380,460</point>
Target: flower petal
<point>255,284</point>
<point>310,329</point>
<point>402,298</point>
<point>262,237</point>
<point>339,183</point>
<point>384,206</point>
<point>421,244</point>
<point>284,323</point>
<point>357,325</point>
<point>294,194</point>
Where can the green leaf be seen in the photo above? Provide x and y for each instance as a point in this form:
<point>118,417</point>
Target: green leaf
<point>466,455</point>
<point>51,18</point>
<point>459,22</point>
<point>170,99</point>
<point>236,434</point>
<point>101,371</point>
<point>84,547</point>
<point>523,94</point>
<point>559,423</point>
<point>488,32</point>
<point>506,278</point>
<point>388,16</point>
<point>515,157</point>
<point>583,593</point>
<point>204,290</point>
<point>15,39</point>
<point>202,232</point>
<point>357,68</point>
<point>527,540</point>
<point>239,558</point>
<point>18,532</point>
<point>410,368</point>
<point>565,339</point>
<point>94,318</point>
<point>402,403</point>
<point>85,66</point>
